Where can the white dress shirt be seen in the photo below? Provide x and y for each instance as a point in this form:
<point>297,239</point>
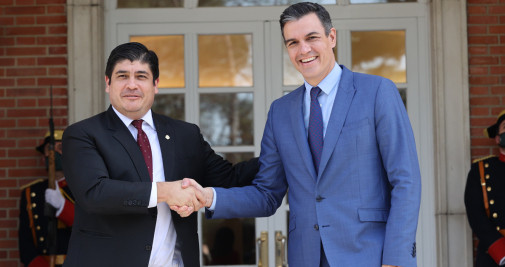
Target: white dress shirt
<point>163,253</point>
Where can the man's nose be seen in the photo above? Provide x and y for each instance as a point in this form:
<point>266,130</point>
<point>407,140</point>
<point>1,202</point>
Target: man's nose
<point>305,48</point>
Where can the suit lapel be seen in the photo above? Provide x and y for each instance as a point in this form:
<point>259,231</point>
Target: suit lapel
<point>167,139</point>
<point>125,138</point>
<point>299,132</point>
<point>338,115</point>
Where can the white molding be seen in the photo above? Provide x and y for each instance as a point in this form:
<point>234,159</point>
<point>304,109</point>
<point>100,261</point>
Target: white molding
<point>85,58</point>
<point>452,135</point>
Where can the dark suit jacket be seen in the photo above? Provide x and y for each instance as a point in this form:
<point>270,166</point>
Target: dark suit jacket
<point>108,176</point>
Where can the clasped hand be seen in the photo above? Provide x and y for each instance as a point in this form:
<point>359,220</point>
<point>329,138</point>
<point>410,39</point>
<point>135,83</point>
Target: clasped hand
<point>184,196</point>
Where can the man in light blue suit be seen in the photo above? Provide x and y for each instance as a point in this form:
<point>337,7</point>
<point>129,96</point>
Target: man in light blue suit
<point>347,156</point>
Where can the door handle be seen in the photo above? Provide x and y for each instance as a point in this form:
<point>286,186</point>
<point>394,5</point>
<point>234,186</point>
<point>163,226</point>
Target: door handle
<point>280,249</point>
<point>262,242</point>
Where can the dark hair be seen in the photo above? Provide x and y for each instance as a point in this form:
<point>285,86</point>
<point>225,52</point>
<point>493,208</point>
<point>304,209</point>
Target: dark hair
<point>132,51</point>
<point>297,11</point>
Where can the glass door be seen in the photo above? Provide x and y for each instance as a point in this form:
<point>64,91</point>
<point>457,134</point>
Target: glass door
<point>212,74</point>
<point>223,77</point>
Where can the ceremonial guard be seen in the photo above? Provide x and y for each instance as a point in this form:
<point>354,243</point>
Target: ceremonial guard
<point>485,200</point>
<point>33,222</point>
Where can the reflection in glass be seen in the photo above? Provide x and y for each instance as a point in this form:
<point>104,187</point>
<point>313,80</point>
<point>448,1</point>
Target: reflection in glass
<point>228,242</point>
<point>381,53</point>
<point>171,105</point>
<point>291,76</point>
<point>170,52</point>
<point>379,1</point>
<point>225,60</point>
<point>149,3</point>
<point>235,157</point>
<point>204,3</point>
<point>227,119</point>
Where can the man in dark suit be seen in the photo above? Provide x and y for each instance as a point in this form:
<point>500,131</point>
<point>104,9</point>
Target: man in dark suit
<point>485,200</point>
<point>124,168</point>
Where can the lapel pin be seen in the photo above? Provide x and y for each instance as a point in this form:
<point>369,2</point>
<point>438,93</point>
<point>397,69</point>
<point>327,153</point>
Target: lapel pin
<point>167,137</point>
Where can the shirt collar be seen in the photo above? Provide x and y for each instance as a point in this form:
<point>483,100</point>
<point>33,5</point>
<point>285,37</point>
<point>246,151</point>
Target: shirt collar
<point>148,118</point>
<point>329,82</point>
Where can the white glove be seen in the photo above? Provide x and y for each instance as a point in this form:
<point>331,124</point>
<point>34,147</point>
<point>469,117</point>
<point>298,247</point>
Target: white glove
<point>55,198</point>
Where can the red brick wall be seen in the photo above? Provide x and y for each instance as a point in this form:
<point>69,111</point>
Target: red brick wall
<point>33,56</point>
<point>486,55</point>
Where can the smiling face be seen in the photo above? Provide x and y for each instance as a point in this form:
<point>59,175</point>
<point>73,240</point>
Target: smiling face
<point>309,49</point>
<point>131,89</point>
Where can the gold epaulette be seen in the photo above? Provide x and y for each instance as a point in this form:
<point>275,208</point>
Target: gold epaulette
<point>483,158</point>
<point>30,184</point>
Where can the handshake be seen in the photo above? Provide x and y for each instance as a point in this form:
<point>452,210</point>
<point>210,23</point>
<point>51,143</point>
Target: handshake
<point>184,196</point>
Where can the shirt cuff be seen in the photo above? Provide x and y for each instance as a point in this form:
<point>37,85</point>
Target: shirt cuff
<point>502,262</point>
<point>153,199</point>
<point>497,250</point>
<point>213,206</point>
<point>67,213</point>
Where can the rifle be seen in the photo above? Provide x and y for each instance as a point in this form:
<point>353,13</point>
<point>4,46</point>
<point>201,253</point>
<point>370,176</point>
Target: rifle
<point>50,211</point>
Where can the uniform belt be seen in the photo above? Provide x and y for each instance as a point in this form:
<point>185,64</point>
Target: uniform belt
<point>58,259</point>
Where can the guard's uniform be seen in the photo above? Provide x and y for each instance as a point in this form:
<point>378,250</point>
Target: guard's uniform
<point>491,248</point>
<point>33,224</point>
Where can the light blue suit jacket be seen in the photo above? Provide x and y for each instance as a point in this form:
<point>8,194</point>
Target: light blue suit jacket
<point>363,205</point>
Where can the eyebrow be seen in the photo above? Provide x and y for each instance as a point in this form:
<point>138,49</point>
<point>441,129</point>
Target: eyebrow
<point>306,35</point>
<point>137,72</point>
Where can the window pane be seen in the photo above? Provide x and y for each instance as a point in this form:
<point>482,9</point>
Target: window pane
<point>381,53</point>
<point>170,52</point>
<point>290,75</point>
<point>227,119</point>
<point>228,242</point>
<point>171,105</point>
<point>206,3</point>
<point>379,1</point>
<point>149,3</point>
<point>225,60</point>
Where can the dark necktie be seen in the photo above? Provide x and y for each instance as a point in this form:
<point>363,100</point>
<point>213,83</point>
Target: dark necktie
<point>144,146</point>
<point>315,128</point>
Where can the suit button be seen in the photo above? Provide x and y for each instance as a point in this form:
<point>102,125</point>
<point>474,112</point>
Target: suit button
<point>148,248</point>
<point>316,227</point>
<point>41,239</point>
<point>319,198</point>
<point>495,215</point>
<point>489,188</point>
<point>491,201</point>
<point>487,176</point>
<point>497,228</point>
